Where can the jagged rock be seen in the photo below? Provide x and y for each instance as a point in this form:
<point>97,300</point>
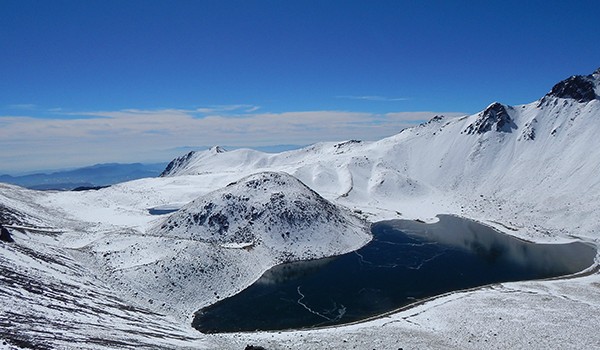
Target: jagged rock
<point>528,133</point>
<point>217,149</point>
<point>577,87</point>
<point>437,118</point>
<point>177,163</point>
<point>494,118</point>
<point>5,235</point>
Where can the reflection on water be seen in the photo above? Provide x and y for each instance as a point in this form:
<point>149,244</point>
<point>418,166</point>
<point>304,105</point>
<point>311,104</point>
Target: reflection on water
<point>406,261</point>
<point>548,259</point>
<point>293,271</point>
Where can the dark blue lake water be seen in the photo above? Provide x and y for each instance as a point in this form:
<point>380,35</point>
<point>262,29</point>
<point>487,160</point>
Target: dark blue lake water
<point>405,262</point>
<point>162,211</point>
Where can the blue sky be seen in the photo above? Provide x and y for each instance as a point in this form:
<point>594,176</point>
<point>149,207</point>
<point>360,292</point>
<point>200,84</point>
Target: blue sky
<point>88,77</point>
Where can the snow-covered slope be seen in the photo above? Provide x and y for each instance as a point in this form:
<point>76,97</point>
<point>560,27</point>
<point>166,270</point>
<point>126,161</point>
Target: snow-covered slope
<point>211,248</point>
<point>97,267</point>
<point>506,163</point>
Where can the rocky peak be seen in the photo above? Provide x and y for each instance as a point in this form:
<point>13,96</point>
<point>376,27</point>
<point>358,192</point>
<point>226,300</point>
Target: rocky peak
<point>217,149</point>
<point>494,118</point>
<point>577,87</point>
<point>177,163</point>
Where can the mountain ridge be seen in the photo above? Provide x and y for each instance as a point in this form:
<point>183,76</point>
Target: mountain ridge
<point>492,153</point>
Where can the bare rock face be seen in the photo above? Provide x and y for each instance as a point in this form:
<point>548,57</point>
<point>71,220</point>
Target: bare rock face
<point>177,163</point>
<point>577,87</point>
<point>494,118</point>
<point>5,235</point>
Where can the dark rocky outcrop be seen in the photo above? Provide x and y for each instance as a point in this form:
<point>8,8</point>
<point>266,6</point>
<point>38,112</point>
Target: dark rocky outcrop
<point>528,133</point>
<point>577,87</point>
<point>177,163</point>
<point>9,216</point>
<point>493,118</point>
<point>5,235</point>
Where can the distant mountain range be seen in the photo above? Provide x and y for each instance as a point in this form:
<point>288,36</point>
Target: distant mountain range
<point>98,175</point>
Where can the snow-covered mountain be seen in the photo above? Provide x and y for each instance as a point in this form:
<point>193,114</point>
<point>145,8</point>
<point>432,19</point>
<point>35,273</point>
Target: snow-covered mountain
<point>97,267</point>
<point>512,162</point>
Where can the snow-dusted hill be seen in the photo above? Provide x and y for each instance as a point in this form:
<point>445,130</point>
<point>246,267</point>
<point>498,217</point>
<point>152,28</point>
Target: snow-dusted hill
<point>96,269</point>
<point>272,210</point>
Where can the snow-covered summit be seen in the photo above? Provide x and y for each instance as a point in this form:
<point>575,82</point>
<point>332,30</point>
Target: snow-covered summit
<point>184,161</point>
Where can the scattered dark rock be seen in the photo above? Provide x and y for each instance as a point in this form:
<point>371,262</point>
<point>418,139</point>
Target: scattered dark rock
<point>577,87</point>
<point>528,133</point>
<point>435,119</point>
<point>347,143</point>
<point>5,235</point>
<point>341,147</point>
<point>493,118</point>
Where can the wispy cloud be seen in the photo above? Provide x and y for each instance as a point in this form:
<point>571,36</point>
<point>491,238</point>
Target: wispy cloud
<point>22,106</point>
<point>154,135</point>
<point>243,108</point>
<point>375,98</point>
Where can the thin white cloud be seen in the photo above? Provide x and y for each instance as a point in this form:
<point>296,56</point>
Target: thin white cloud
<point>28,143</point>
<point>22,106</point>
<point>375,98</point>
<point>243,108</point>
<point>417,116</point>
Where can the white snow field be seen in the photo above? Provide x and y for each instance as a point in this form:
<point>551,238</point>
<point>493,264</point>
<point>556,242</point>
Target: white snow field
<point>96,270</point>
